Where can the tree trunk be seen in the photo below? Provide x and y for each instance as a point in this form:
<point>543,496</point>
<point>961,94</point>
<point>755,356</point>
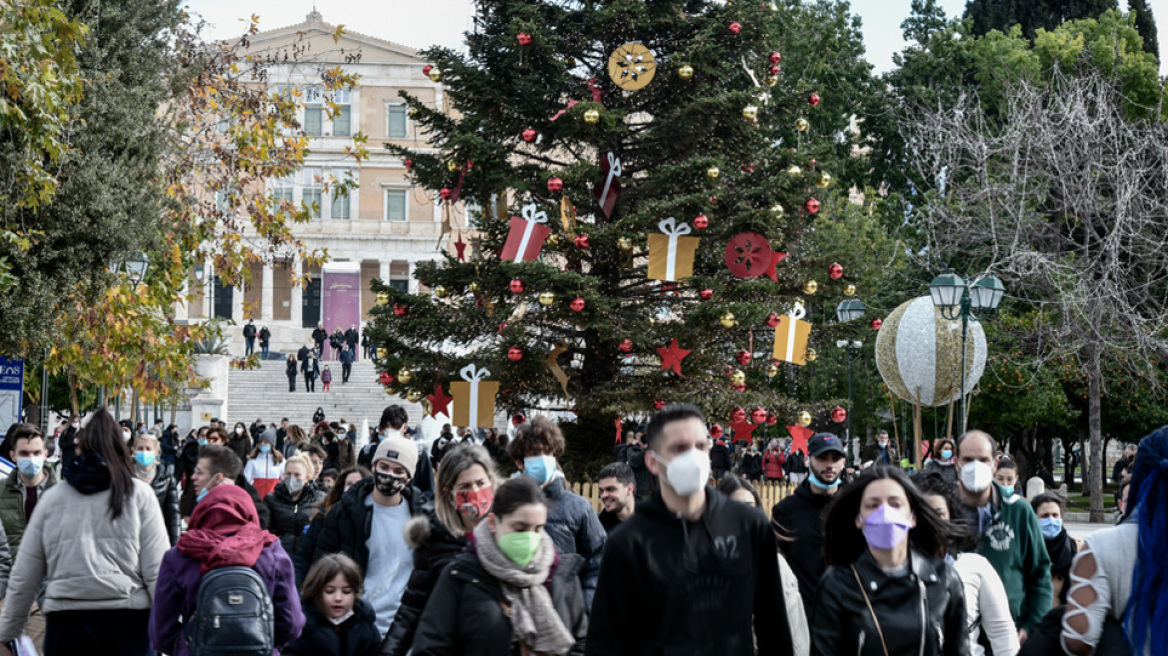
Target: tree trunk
<point>1097,462</point>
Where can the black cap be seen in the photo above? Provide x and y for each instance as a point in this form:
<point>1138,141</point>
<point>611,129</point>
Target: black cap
<point>821,443</point>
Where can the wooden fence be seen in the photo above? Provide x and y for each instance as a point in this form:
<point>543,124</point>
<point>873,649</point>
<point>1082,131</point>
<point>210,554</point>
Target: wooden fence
<point>770,491</point>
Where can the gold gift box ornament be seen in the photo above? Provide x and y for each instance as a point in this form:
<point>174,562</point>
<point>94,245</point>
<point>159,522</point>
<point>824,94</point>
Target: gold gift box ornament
<point>474,392</point>
<point>671,253</point>
<point>791,336</point>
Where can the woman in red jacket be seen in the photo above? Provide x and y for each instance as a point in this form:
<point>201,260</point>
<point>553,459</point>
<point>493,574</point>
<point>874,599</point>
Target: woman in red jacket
<point>772,462</point>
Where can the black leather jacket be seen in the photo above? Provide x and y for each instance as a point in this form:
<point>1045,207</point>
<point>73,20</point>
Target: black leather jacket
<point>920,612</point>
<point>165,487</point>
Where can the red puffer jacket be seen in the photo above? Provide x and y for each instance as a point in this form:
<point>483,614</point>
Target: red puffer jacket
<point>772,463</point>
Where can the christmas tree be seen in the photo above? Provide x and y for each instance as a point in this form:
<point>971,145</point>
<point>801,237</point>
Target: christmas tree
<point>644,176</point>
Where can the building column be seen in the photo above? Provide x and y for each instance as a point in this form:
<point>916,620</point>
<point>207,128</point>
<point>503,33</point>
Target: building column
<point>237,306</point>
<point>297,300</point>
<point>182,309</point>
<point>267,294</point>
<point>208,288</point>
<point>413,282</point>
<point>384,273</point>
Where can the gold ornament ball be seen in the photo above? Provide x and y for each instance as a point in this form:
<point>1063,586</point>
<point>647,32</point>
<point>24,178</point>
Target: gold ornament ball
<point>728,320</point>
<point>794,171</point>
<point>625,244</point>
<point>413,112</point>
<point>592,117</point>
<point>389,391</point>
<point>772,371</point>
<point>427,406</point>
<point>737,377</point>
<point>441,292</point>
<point>547,298</point>
<point>823,181</point>
<point>804,419</point>
<point>750,112</point>
<point>435,75</point>
<point>685,72</point>
<point>777,211</point>
<point>772,80</point>
<point>802,125</point>
<point>452,166</point>
<point>383,298</point>
<point>405,376</point>
<point>812,354</point>
<point>553,240</point>
<point>850,290</point>
<point>713,173</point>
<point>382,353</point>
<point>413,396</point>
<point>473,288</point>
<point>810,287</point>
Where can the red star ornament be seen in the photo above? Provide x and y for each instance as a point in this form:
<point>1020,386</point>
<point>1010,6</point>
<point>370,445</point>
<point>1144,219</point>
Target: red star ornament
<point>742,430</point>
<point>439,402</point>
<point>672,355</point>
<point>770,272</point>
<point>460,246</point>
<point>799,437</point>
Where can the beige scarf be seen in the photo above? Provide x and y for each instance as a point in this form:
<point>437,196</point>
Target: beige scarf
<point>534,620</point>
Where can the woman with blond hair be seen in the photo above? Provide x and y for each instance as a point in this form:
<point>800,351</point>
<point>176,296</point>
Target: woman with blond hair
<point>150,469</point>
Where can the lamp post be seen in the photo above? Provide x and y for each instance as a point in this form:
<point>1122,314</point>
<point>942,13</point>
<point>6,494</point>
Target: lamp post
<point>958,297</point>
<point>135,271</point>
<point>200,274</point>
<point>849,310</point>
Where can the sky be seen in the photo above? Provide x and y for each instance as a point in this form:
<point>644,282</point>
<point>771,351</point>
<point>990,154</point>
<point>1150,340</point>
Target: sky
<point>421,23</point>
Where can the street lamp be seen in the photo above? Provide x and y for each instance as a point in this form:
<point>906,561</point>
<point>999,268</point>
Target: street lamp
<point>134,269</point>
<point>200,274</point>
<point>958,298</point>
<point>850,309</point>
<point>852,346</point>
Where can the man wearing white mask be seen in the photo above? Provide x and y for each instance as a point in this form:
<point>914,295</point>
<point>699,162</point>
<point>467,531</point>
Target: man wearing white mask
<point>1007,531</point>
<point>690,570</point>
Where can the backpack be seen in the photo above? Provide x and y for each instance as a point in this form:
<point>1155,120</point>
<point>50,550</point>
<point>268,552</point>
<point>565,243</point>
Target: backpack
<point>233,615</point>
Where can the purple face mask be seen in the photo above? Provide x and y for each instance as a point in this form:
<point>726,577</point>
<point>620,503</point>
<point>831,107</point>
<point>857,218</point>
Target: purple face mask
<point>886,527</point>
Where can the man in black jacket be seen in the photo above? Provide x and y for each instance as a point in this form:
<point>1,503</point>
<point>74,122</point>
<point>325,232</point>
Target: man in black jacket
<point>352,338</point>
<point>318,336</point>
<point>800,516</point>
<point>690,570</point>
<point>249,334</point>
<point>632,453</point>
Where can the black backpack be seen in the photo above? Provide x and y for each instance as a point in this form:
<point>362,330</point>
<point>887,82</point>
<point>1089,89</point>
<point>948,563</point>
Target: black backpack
<point>233,615</point>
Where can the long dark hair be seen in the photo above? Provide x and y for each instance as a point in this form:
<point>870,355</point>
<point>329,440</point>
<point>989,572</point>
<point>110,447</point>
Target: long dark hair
<point>338,489</point>
<point>961,537</point>
<point>103,437</point>
<point>843,543</point>
<point>1147,607</point>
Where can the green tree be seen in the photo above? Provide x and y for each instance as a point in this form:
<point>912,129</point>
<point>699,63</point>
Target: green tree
<point>1146,24</point>
<point>669,137</point>
<point>1031,15</point>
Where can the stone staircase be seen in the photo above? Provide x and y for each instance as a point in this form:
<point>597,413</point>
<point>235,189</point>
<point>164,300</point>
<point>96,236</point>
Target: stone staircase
<point>263,393</point>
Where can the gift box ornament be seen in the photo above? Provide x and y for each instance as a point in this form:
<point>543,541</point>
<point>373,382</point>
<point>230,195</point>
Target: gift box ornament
<point>791,336</point>
<point>526,236</point>
<point>671,253</point>
<point>474,398</point>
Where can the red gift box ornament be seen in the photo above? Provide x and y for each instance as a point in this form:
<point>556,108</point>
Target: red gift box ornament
<point>526,236</point>
<point>606,194</point>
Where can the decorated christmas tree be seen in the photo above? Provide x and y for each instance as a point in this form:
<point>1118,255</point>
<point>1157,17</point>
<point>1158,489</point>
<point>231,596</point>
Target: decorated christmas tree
<point>641,178</point>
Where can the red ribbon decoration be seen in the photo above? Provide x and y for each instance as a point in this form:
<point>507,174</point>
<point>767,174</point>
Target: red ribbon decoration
<point>595,92</point>
<point>461,178</point>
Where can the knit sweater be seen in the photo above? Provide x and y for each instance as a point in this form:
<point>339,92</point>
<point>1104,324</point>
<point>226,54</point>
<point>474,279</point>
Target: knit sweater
<point>1014,545</point>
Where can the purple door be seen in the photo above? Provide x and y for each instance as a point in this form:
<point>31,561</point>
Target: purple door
<point>341,299</point>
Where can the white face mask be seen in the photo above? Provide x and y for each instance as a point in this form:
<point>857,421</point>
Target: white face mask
<point>126,434</point>
<point>238,430</point>
<point>687,473</point>
<point>976,476</point>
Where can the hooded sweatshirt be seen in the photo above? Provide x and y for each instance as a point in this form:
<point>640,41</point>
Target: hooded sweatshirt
<point>672,586</point>
<point>800,516</point>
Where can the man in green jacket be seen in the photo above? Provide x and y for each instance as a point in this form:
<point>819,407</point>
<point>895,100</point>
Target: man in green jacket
<point>1008,532</point>
<point>27,483</point>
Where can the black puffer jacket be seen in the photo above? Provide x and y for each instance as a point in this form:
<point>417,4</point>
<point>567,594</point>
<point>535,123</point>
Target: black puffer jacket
<point>434,548</point>
<point>752,465</point>
<point>356,636</point>
<point>465,615</point>
<point>165,487</point>
<point>922,612</point>
<point>349,523</point>
<point>290,516</point>
<point>720,457</point>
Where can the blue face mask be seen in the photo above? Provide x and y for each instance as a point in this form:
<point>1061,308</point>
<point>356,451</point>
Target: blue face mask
<point>30,467</point>
<point>539,468</point>
<point>144,458</point>
<point>201,495</point>
<point>202,441</point>
<point>1008,491</point>
<point>1051,526</point>
<point>264,448</point>
<point>820,484</point>
<point>946,454</point>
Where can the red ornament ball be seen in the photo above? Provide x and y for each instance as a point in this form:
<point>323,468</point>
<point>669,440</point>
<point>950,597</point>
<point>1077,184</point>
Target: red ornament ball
<point>839,415</point>
<point>515,354</point>
<point>758,415</point>
<point>735,27</point>
<point>773,320</point>
<point>812,206</point>
<point>386,378</point>
<point>773,70</point>
<point>659,404</point>
<point>626,346</point>
<point>775,58</point>
<point>738,415</point>
<point>877,323</point>
<point>581,241</point>
<point>701,222</point>
<point>401,310</point>
<point>813,100</point>
<point>706,294</point>
<point>743,357</point>
<point>716,431</point>
<point>518,418</point>
<point>739,388</point>
<point>445,193</point>
<point>426,69</point>
<point>529,135</point>
<point>524,39</point>
<point>409,164</point>
<point>835,271</point>
<point>577,304</point>
<point>772,419</point>
<point>555,185</point>
<point>517,286</point>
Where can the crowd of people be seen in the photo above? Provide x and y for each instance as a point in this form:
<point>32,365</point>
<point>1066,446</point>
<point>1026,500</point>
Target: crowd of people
<point>308,360</point>
<point>268,539</point>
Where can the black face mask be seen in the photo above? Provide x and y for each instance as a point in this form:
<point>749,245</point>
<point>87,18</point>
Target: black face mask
<point>388,484</point>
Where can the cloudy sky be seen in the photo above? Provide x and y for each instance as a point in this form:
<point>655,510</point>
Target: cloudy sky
<point>419,23</point>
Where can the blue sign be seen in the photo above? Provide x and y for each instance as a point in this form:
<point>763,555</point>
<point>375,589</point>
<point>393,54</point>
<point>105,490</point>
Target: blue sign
<point>11,391</point>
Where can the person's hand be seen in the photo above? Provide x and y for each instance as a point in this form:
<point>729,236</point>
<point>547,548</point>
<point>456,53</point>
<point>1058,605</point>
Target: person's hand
<point>1022,635</point>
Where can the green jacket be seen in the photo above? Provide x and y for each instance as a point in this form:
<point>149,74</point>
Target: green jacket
<point>1014,546</point>
<point>12,506</point>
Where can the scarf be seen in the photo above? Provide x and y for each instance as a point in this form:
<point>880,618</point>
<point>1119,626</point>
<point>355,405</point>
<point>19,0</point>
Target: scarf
<point>1062,551</point>
<point>225,531</point>
<point>87,473</point>
<point>534,620</point>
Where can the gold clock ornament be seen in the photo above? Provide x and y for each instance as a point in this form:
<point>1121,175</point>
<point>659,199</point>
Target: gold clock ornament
<point>632,66</point>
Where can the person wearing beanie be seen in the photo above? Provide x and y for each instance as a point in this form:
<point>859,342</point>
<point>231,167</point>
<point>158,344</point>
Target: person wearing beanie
<point>369,522</point>
<point>265,467</point>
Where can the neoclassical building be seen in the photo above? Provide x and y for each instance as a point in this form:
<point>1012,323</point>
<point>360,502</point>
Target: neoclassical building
<point>382,230</point>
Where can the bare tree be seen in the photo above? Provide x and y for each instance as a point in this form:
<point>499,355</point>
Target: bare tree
<point>1067,201</point>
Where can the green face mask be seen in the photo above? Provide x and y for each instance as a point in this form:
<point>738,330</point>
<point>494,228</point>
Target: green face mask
<point>520,547</point>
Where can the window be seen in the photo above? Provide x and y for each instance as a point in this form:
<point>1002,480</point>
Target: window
<point>313,112</point>
<point>401,285</point>
<point>340,198</point>
<point>397,121</point>
<point>282,189</point>
<point>396,205</point>
<point>342,119</point>
<point>310,194</point>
